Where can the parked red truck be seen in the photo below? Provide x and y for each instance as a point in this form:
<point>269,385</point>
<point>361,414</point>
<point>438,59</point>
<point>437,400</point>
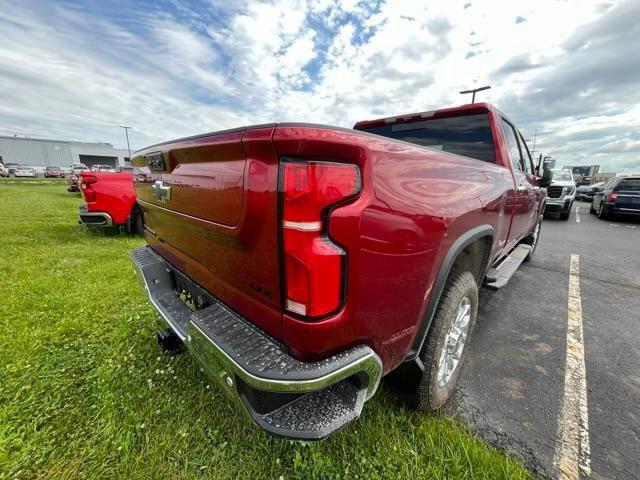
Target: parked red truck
<point>110,201</point>
<point>300,263</point>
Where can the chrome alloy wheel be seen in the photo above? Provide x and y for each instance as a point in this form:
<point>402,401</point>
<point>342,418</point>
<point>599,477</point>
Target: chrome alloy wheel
<point>454,343</point>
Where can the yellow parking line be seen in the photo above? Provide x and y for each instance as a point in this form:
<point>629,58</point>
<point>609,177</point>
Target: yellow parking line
<point>572,439</point>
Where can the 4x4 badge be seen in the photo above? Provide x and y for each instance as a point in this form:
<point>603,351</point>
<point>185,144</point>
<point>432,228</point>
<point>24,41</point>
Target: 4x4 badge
<point>162,193</point>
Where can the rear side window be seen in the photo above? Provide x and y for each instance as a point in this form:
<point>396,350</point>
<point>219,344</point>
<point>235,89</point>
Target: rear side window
<point>610,184</point>
<point>629,185</point>
<point>468,135</point>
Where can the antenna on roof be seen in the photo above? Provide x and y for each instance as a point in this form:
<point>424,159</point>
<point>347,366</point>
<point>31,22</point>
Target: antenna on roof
<point>474,90</point>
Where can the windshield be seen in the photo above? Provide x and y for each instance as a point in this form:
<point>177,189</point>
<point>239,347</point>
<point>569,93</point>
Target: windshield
<point>467,135</point>
<point>562,175</point>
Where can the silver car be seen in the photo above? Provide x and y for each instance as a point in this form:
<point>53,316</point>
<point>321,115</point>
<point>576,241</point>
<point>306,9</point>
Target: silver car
<point>25,172</point>
<point>561,193</point>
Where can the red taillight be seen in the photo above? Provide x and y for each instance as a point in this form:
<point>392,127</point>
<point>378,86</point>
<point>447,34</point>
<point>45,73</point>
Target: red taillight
<point>613,196</point>
<point>88,180</point>
<point>85,183</point>
<point>314,266</point>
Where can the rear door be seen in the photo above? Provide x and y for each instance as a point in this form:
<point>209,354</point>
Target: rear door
<point>602,195</point>
<point>527,194</point>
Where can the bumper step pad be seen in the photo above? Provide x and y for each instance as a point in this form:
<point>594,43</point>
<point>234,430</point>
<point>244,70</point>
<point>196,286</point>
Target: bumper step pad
<point>318,412</point>
<point>497,277</point>
<point>300,400</point>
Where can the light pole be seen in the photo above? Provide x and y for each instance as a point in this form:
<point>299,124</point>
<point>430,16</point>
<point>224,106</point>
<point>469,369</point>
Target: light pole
<point>535,135</point>
<point>126,132</point>
<point>474,90</point>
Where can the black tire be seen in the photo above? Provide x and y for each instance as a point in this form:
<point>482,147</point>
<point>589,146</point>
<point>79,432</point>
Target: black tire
<point>135,222</point>
<point>564,215</point>
<point>139,226</point>
<point>532,239</point>
<point>432,392</point>
<point>602,211</point>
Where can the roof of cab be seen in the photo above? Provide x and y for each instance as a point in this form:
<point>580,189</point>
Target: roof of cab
<point>412,117</point>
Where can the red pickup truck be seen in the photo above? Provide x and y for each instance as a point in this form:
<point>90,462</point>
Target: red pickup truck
<point>301,263</point>
<point>110,201</point>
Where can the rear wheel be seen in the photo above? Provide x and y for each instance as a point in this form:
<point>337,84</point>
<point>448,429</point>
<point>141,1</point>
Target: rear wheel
<point>139,227</point>
<point>135,222</point>
<point>444,350</point>
<point>602,211</point>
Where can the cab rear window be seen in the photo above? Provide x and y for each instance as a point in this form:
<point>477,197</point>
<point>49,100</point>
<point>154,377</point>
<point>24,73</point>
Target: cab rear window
<point>468,135</point>
<point>629,184</point>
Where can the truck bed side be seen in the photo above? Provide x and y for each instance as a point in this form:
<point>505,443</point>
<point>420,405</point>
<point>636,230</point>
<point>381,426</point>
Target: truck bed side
<point>112,193</point>
<point>415,202</point>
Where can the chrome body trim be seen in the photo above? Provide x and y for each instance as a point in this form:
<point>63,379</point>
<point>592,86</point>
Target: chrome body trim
<point>108,221</point>
<point>161,192</point>
<point>369,364</point>
<point>303,226</point>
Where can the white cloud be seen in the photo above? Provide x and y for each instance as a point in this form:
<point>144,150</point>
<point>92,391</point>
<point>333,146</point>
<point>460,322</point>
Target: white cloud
<point>621,146</point>
<point>75,73</point>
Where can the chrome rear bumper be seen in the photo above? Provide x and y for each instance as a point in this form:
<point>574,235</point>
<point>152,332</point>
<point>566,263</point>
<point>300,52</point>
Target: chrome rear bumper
<point>94,219</point>
<point>306,401</point>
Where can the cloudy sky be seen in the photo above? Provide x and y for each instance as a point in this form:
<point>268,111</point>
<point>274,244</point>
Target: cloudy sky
<point>569,70</point>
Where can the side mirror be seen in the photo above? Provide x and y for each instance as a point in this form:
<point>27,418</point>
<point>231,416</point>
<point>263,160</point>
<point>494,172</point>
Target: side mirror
<point>547,175</point>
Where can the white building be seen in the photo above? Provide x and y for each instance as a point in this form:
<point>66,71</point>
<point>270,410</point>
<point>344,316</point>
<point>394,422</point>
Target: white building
<point>42,152</point>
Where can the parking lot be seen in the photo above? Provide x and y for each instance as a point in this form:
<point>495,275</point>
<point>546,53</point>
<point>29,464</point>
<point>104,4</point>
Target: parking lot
<point>514,392</point>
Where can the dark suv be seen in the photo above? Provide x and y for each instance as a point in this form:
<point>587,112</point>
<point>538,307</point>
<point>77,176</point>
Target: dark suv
<point>620,195</point>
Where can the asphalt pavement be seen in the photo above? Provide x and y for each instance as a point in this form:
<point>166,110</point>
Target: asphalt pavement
<point>521,390</point>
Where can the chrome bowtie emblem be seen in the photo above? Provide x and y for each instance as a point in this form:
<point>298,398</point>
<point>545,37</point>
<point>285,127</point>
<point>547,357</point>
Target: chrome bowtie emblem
<point>162,193</point>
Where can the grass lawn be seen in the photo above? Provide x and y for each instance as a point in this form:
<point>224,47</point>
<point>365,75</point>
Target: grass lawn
<point>86,393</point>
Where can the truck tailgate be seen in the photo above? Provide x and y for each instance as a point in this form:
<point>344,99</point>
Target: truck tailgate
<point>210,209</point>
